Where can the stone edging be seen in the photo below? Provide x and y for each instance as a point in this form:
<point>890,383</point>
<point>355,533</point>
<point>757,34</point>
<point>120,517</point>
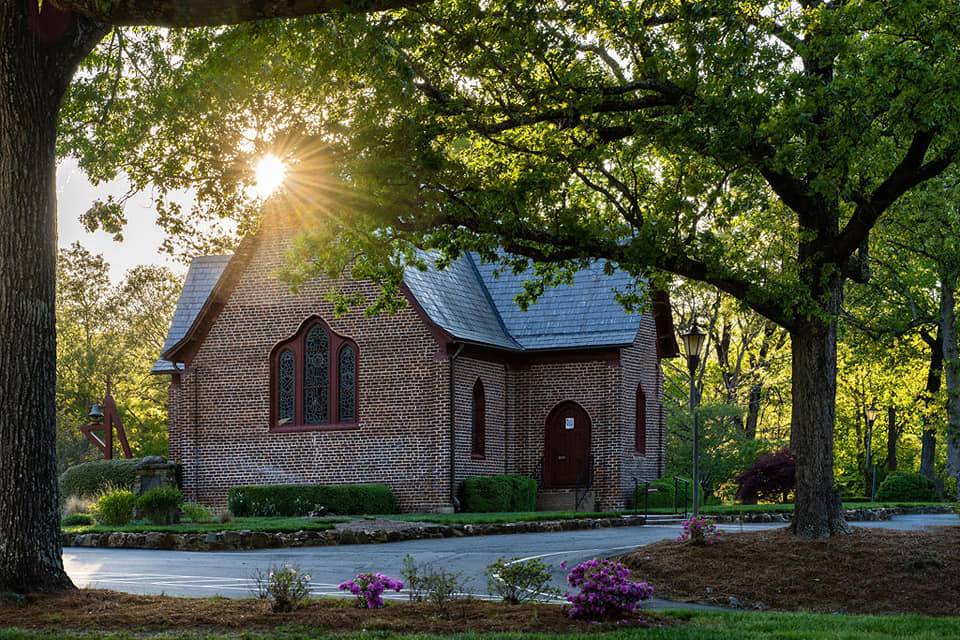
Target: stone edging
<point>852,515</point>
<point>355,534</point>
<point>358,532</point>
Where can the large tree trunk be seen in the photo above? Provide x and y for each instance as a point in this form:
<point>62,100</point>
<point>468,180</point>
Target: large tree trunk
<point>37,60</point>
<point>893,435</point>
<point>817,512</point>
<point>928,440</point>
<point>951,363</point>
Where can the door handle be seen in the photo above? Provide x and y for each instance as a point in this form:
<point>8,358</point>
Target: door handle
<point>561,458</point>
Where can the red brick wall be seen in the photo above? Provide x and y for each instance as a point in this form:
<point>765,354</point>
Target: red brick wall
<point>592,384</point>
<point>495,383</point>
<point>640,367</point>
<point>220,425</point>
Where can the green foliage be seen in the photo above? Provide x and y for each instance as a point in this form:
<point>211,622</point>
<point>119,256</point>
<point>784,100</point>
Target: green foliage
<point>116,330</point>
<point>115,508</point>
<point>517,580</point>
<point>437,585</point>
<point>159,505</point>
<point>299,500</point>
<point>196,513</point>
<point>483,494</point>
<point>906,487</point>
<point>77,520</point>
<point>90,479</point>
<point>285,587</point>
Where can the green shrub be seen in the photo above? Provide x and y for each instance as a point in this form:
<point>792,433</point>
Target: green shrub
<point>91,479</point>
<point>77,520</point>
<point>290,500</point>
<point>115,508</point>
<point>487,494</point>
<point>196,512</point>
<point>904,486</point>
<point>519,580</point>
<point>661,495</point>
<point>159,505</point>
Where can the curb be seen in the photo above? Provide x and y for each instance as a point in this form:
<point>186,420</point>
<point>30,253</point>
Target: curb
<point>852,515</point>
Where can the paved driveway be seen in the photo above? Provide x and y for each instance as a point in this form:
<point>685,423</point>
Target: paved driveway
<point>230,573</point>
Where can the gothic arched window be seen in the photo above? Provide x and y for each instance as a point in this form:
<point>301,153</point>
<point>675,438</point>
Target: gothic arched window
<point>640,433</point>
<point>479,421</point>
<point>314,380</point>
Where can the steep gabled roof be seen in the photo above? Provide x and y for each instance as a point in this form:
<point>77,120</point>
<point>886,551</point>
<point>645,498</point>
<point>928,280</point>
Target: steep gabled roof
<point>201,278</point>
<point>470,301</point>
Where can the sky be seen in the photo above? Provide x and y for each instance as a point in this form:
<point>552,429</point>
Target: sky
<point>142,237</point>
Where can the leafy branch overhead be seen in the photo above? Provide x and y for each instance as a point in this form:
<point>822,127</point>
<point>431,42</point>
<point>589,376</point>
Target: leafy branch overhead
<point>750,147</point>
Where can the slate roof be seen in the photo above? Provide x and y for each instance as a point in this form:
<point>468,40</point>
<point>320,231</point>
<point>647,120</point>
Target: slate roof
<point>474,303</point>
<point>201,277</point>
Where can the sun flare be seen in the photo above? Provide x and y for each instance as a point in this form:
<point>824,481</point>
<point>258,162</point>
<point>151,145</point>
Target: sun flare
<point>269,174</point>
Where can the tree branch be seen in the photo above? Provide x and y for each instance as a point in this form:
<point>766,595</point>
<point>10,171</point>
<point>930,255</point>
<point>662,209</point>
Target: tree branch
<point>205,13</point>
<point>910,172</point>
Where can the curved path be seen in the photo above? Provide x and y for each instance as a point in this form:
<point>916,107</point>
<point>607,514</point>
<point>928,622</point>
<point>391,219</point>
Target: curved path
<point>230,573</point>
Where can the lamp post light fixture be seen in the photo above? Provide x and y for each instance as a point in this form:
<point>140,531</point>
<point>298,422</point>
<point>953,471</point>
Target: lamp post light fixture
<point>871,414</point>
<point>693,341</point>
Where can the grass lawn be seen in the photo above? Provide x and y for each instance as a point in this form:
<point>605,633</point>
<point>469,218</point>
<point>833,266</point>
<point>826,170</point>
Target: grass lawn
<point>677,626</point>
<point>723,509</point>
<point>503,517</point>
<point>237,524</point>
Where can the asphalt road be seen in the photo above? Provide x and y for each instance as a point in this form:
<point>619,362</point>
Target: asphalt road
<point>231,573</point>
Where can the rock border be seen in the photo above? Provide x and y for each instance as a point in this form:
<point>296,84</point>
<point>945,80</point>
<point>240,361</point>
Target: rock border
<point>852,515</point>
<point>355,533</point>
<point>368,532</point>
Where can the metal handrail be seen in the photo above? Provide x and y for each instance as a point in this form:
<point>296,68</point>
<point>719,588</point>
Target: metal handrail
<point>584,484</point>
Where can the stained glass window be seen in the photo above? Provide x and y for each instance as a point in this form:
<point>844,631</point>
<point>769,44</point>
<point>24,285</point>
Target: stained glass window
<point>479,435</point>
<point>316,376</point>
<point>347,376</point>
<point>286,387</point>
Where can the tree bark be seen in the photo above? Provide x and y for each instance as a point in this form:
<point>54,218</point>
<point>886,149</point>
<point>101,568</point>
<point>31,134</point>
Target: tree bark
<point>928,440</point>
<point>37,60</point>
<point>817,512</point>
<point>951,364</point>
<point>893,436</point>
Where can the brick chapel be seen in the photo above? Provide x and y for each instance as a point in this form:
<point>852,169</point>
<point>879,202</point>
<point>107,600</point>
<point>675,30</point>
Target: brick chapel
<point>269,386</point>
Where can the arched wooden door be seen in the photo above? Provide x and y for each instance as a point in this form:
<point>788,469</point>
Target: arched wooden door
<point>566,446</point>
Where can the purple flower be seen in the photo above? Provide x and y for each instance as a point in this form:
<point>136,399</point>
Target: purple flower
<point>606,591</point>
<point>368,588</point>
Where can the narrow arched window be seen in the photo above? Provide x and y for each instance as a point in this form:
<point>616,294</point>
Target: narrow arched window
<point>347,380</point>
<point>640,433</point>
<point>316,376</point>
<point>286,387</point>
<point>479,421</point>
<point>314,380</point>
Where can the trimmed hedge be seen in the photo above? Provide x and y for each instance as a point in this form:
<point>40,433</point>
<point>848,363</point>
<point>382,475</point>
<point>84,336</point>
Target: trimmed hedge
<point>90,479</point>
<point>662,495</point>
<point>487,494</point>
<point>904,486</point>
<point>290,500</point>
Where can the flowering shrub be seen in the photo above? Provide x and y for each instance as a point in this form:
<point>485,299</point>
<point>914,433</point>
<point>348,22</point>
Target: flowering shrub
<point>606,591</point>
<point>285,587</point>
<point>699,532</point>
<point>369,587</point>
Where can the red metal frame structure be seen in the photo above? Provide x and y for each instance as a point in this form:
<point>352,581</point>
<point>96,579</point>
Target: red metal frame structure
<point>111,421</point>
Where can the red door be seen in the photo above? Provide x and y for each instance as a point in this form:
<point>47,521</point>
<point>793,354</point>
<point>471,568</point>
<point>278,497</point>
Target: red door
<point>566,446</point>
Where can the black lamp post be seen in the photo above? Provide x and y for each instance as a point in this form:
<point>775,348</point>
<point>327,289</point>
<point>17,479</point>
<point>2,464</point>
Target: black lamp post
<point>693,341</point>
<point>871,418</point>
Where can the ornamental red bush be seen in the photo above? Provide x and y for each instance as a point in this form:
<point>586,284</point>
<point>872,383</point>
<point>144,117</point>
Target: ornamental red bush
<point>772,477</point>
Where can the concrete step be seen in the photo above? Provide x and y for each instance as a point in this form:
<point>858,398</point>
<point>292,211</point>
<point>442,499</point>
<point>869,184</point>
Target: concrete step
<point>565,500</point>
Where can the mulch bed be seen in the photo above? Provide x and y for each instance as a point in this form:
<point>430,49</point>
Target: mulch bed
<point>870,571</point>
<point>109,610</point>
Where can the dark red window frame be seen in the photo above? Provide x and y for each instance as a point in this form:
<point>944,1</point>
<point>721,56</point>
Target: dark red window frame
<point>478,431</point>
<point>640,430</point>
<point>295,344</point>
